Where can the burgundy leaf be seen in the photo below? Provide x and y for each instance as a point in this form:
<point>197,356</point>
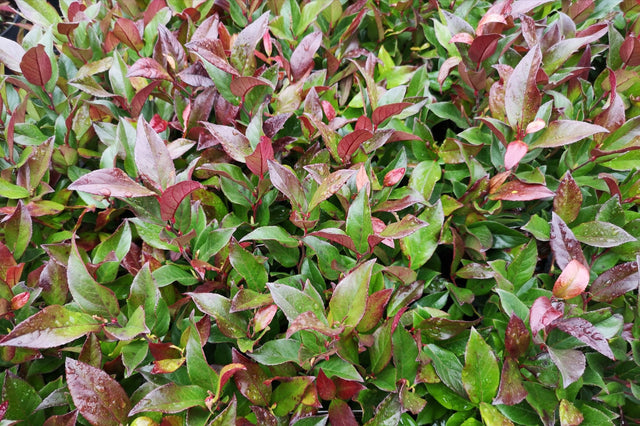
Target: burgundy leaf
<point>258,161</point>
<point>140,98</point>
<point>158,124</point>
<point>287,183</point>
<point>522,97</point>
<point>152,157</point>
<point>36,66</point>
<point>347,389</point>
<point>516,190</point>
<point>351,142</point>
<point>374,309</point>
<point>565,132</point>
<point>302,57</point>
<point>383,112</point>
<point>273,125</point>
<point>96,395</point>
<point>564,244</point>
<point>364,123</point>
<point>630,51</point>
<point>335,235</point>
<point>570,362</point>
<point>517,337</point>
<point>326,387</point>
<point>615,282</point>
<point>613,117</point>
<point>245,42</point>
<point>234,143</point>
<point>444,328</point>
<point>400,204</point>
<point>173,196</point>
<point>329,186</point>
<point>148,68</point>
<point>542,314</point>
<point>241,85</point>
<point>250,381</point>
<point>340,414</point>
<point>127,32</point>
<point>572,281</point>
<point>69,419</point>
<point>169,46</point>
<point>110,183</point>
<point>511,390</point>
<point>515,151</point>
<point>568,199</point>
<point>399,135</point>
<point>583,330</point>
<point>483,46</point>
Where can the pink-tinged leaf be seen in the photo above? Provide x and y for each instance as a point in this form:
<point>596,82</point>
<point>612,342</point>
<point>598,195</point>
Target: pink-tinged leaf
<point>273,125</point>
<point>69,419</point>
<point>362,178</point>
<point>615,282</point>
<point>242,57</point>
<point>583,330</point>
<point>374,310</point>
<point>309,321</point>
<point>288,183</point>
<point>302,57</point>
<point>613,117</point>
<point>565,132</point>
<point>483,46</point>
<point>19,300</point>
<point>516,190</point>
<point>328,110</point>
<point>570,362</point>
<point>11,54</point>
<point>329,186</point>
<point>240,86</point>
<point>400,204</point>
<point>572,281</point>
<point>515,151</point>
<point>53,326</point>
<point>517,338</point>
<point>36,66</point>
<point>542,314</point>
<point>234,143</point>
<point>340,414</point>
<point>148,68</point>
<point>337,236</point>
<point>349,298</point>
<point>522,97</point>
<point>18,230</point>
<point>535,126</point>
<point>464,38</point>
<point>511,391</point>
<point>110,183</point>
<point>171,398</point>
<point>559,52</point>
<point>152,157</point>
<point>564,244</point>
<point>128,32</point>
<point>250,381</point>
<point>351,142</point>
<point>227,373</point>
<point>445,69</point>
<point>569,414</point>
<point>169,50</point>
<point>383,112</point>
<point>173,196</point>
<point>158,124</point>
<point>568,199</point>
<point>406,226</point>
<point>96,395</point>
<point>393,176</point>
<point>258,161</point>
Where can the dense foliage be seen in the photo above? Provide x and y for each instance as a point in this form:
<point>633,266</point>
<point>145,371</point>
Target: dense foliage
<point>346,212</point>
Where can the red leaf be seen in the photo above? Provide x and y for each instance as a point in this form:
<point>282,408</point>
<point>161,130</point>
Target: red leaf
<point>522,97</point>
<point>240,86</point>
<point>19,300</point>
<point>568,199</point>
<point>173,196</point>
<point>347,389</point>
<point>583,330</point>
<point>326,387</point>
<point>572,281</point>
<point>364,123</point>
<point>337,236</point>
<point>516,190</point>
<point>564,244</point>
<point>158,124</point>
<point>517,337</point>
<point>385,111</point>
<point>483,47</point>
<point>374,310</point>
<point>110,183</point>
<point>630,51</point>
<point>148,68</point>
<point>340,414</point>
<point>250,381</point>
<point>97,396</point>
<point>511,390</point>
<point>615,282</point>
<point>128,32</point>
<point>542,314</point>
<point>234,143</point>
<point>464,38</point>
<point>515,151</point>
<point>258,161</point>
<point>302,57</point>
<point>140,98</point>
<point>36,66</point>
<point>328,109</point>
<point>613,117</point>
<point>351,142</point>
<point>69,419</point>
<point>393,176</point>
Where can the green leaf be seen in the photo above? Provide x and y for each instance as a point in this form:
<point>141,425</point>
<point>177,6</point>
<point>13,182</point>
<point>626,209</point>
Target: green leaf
<point>380,352</point>
<point>135,326</point>
<point>227,416</point>
<point>447,366</point>
<point>337,367</point>
<point>271,233</point>
<point>198,369</point>
<point>145,293</point>
<point>248,265</point>
<point>329,186</point>
<point>492,417</point>
<point>293,302</point>
<point>119,243</point>
<point>278,351</point>
<point>388,412</point>
<point>481,374</point>
<point>448,398</point>
<point>565,132</point>
<point>171,398</point>
<point>523,265</point>
<point>424,177</point>
<point>420,246</point>
<point>601,234</point>
<point>21,397</point>
<point>39,11</point>
<point>289,393</point>
<point>219,307</point>
<point>349,299</point>
<point>252,382</point>
<point>211,242</point>
<point>358,225</point>
<point>11,191</point>
<point>18,230</point>
<point>405,355</point>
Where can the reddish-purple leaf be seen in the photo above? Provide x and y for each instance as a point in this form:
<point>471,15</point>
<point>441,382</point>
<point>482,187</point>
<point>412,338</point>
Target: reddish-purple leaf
<point>583,330</point>
<point>287,183</point>
<point>152,157</point>
<point>444,328</point>
<point>351,142</point>
<point>251,381</point>
<point>568,199</point>
<point>148,68</point>
<point>374,310</point>
<point>258,161</point>
<point>173,196</point>
<point>572,281</point>
<point>613,117</point>
<point>570,362</point>
<point>383,112</point>
<point>522,97</point>
<point>337,236</point>
<point>515,151</point>
<point>326,387</point>
<point>110,183</point>
<point>347,389</point>
<point>302,57</point>
<point>511,391</point>
<point>309,321</point>
<point>273,125</point>
<point>128,32</point>
<point>615,282</point>
<point>11,54</point>
<point>96,395</point>
<point>234,143</point>
<point>630,51</point>
<point>406,226</point>
<point>340,414</point>
<point>565,132</point>
<point>140,98</point>
<point>564,244</point>
<point>329,186</point>
<point>542,314</point>
<point>158,124</point>
<point>483,46</point>
<point>393,176</point>
<point>242,57</point>
<point>241,85</point>
<point>464,38</point>
<point>168,47</point>
<point>516,190</point>
<point>36,66</point>
<point>517,337</point>
<point>69,419</point>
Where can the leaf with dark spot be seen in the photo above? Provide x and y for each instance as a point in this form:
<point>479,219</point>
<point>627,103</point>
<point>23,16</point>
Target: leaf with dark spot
<point>583,330</point>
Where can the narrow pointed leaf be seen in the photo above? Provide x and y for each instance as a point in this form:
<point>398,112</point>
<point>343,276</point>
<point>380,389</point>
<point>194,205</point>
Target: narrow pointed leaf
<point>522,97</point>
<point>349,144</point>
<point>481,374</point>
<point>349,299</point>
<point>18,230</point>
<point>287,183</point>
<point>242,57</point>
<point>258,161</point>
<point>358,225</point>
<point>171,398</point>
<point>516,190</point>
<point>110,183</point>
<point>302,57</point>
<point>383,112</point>
<point>615,282</point>
<point>517,337</point>
<point>564,244</point>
